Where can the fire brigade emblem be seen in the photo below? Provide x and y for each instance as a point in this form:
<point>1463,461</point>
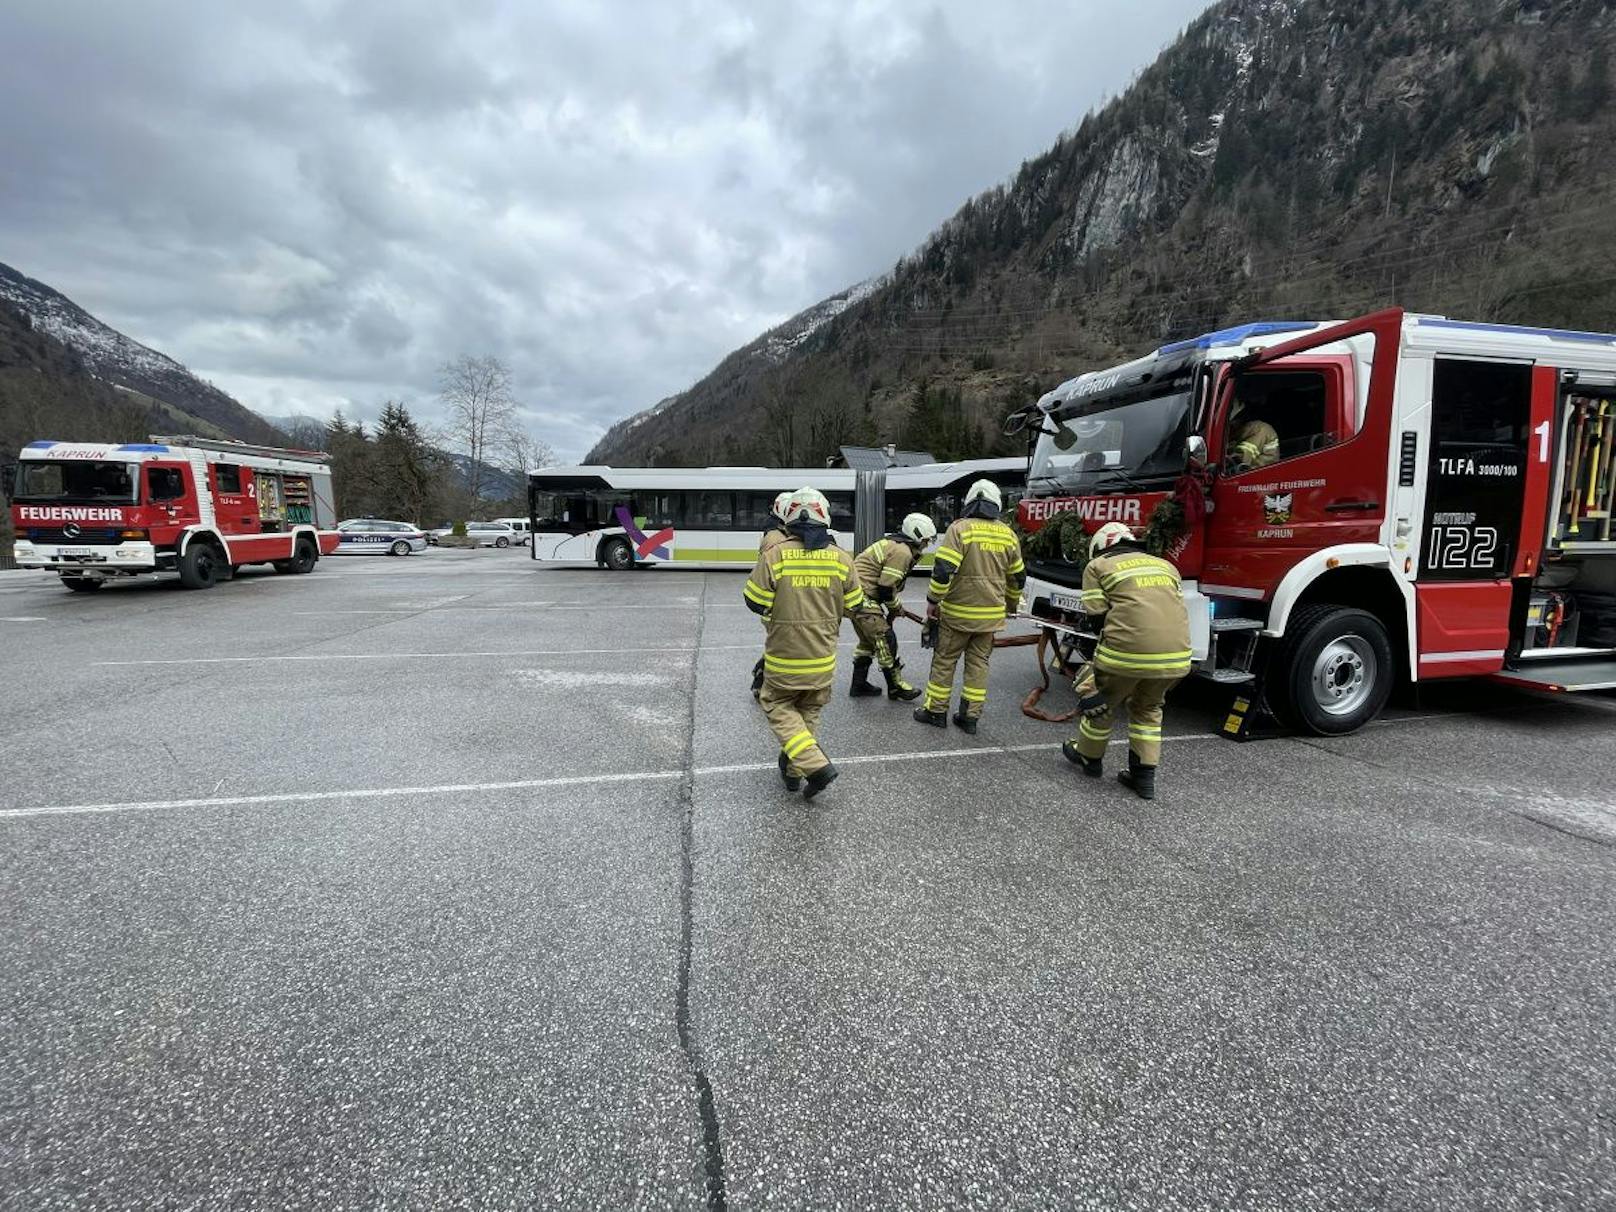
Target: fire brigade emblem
<point>1277,508</point>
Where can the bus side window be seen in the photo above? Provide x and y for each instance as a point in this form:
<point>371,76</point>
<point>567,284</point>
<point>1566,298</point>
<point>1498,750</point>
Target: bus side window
<point>710,511</point>
<point>841,512</point>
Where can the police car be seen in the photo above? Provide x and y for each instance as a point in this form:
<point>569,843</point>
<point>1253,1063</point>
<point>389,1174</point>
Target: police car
<point>377,535</point>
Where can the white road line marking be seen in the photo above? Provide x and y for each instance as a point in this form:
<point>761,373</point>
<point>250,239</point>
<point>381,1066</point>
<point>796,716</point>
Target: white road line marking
<point>421,656</point>
<point>519,607</point>
<point>578,780</point>
<point>24,618</point>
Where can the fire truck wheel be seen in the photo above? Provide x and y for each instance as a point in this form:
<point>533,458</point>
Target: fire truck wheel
<point>618,556</point>
<point>302,560</point>
<point>83,584</point>
<point>201,566</point>
<point>1333,672</point>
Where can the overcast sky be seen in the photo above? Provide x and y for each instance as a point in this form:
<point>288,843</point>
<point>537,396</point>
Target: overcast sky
<point>314,204</point>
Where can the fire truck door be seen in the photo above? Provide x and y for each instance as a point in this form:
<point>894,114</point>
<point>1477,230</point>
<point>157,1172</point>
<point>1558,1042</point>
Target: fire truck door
<point>168,487</point>
<point>1471,533</point>
<point>1319,409</point>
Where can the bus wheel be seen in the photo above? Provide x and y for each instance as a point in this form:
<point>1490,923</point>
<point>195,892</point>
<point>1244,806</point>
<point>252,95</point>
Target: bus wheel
<point>618,556</point>
<point>83,584</point>
<point>200,566</point>
<point>1334,670</point>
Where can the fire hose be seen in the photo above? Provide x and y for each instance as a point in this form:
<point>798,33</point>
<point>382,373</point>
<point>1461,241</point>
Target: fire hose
<point>1029,705</point>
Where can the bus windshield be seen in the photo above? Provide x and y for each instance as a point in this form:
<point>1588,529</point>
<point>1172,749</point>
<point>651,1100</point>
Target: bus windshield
<point>1113,440</point>
<point>74,481</point>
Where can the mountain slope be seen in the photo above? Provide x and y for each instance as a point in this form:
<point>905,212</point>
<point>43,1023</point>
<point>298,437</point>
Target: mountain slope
<point>1282,157</point>
<point>107,355</point>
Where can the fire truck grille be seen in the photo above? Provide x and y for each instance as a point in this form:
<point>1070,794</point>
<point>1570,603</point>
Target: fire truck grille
<point>85,537</point>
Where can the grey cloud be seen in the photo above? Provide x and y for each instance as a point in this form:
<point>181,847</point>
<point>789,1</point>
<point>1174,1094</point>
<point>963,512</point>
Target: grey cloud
<point>316,205</point>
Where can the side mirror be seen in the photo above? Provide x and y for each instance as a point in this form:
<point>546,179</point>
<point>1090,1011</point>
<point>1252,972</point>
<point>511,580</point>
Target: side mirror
<point>1017,421</point>
<point>1065,438</point>
<point>8,477</point>
<point>1196,448</point>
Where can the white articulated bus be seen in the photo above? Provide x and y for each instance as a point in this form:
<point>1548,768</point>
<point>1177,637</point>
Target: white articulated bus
<point>712,517</point>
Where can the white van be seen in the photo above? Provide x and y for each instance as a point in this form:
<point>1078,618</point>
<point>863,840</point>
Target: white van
<point>523,528</point>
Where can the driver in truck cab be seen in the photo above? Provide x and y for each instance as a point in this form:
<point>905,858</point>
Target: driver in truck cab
<point>1253,443</point>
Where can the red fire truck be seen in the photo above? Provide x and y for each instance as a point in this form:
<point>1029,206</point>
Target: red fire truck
<point>194,506</point>
<point>1399,496</point>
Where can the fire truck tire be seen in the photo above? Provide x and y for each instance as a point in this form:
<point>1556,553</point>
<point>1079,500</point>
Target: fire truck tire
<point>83,584</point>
<point>618,556</point>
<point>303,558</point>
<point>202,567</point>
<point>1333,671</point>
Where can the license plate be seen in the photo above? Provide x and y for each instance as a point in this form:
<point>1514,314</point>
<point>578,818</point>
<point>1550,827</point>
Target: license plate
<point>1066,601</point>
<point>76,553</point>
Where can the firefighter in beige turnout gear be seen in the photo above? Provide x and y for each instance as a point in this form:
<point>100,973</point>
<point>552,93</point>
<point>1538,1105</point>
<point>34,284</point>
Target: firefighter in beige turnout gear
<point>1144,651</point>
<point>882,568</point>
<point>775,534</point>
<point>976,580</point>
<point>1255,443</point>
<point>802,587</point>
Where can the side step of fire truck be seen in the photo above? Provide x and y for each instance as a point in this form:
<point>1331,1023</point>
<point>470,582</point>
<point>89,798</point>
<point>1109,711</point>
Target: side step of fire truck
<point>1564,674</point>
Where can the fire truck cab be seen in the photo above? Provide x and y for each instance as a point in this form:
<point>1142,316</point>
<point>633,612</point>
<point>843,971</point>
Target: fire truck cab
<point>197,507</point>
<point>1399,496</point>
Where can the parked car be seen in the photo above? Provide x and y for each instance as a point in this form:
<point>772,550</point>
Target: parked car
<point>523,528</point>
<point>373,535</point>
<point>487,534</point>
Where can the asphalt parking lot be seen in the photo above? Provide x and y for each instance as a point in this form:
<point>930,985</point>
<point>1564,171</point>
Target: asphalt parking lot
<point>454,881</point>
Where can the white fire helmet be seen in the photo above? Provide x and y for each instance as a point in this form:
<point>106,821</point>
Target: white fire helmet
<point>919,529</point>
<point>985,490</point>
<point>781,504</point>
<point>1109,535</point>
<point>808,505</point>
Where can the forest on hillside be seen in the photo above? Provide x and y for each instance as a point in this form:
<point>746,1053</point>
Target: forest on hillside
<point>1282,159</point>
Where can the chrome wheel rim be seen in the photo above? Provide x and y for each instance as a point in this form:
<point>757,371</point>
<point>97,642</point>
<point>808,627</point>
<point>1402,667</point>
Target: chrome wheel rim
<point>1344,675</point>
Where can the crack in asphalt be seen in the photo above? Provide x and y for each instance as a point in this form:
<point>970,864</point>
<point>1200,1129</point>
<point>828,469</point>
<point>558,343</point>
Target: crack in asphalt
<point>712,1140</point>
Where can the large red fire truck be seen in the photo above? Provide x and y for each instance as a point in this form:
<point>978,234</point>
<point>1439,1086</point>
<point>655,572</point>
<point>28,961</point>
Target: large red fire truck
<point>194,506</point>
<point>1399,496</point>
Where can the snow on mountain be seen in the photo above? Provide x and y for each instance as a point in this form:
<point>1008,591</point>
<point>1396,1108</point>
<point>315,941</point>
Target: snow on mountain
<point>123,362</point>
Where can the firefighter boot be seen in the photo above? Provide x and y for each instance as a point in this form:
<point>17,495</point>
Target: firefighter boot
<point>1089,766</point>
<point>819,780</point>
<point>898,690</point>
<point>757,679</point>
<point>862,687</point>
<point>936,719</point>
<point>965,723</point>
<point>1139,778</point>
<point>793,782</point>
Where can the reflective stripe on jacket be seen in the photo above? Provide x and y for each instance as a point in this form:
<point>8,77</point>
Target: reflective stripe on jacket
<point>803,596</point>
<point>977,575</point>
<point>882,568</point>
<point>1147,629</point>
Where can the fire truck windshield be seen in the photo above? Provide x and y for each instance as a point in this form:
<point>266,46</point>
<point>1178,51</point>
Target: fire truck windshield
<point>74,482</point>
<point>1119,438</point>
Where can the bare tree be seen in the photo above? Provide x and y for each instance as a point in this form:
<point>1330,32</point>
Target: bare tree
<point>525,452</point>
<point>481,412</point>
